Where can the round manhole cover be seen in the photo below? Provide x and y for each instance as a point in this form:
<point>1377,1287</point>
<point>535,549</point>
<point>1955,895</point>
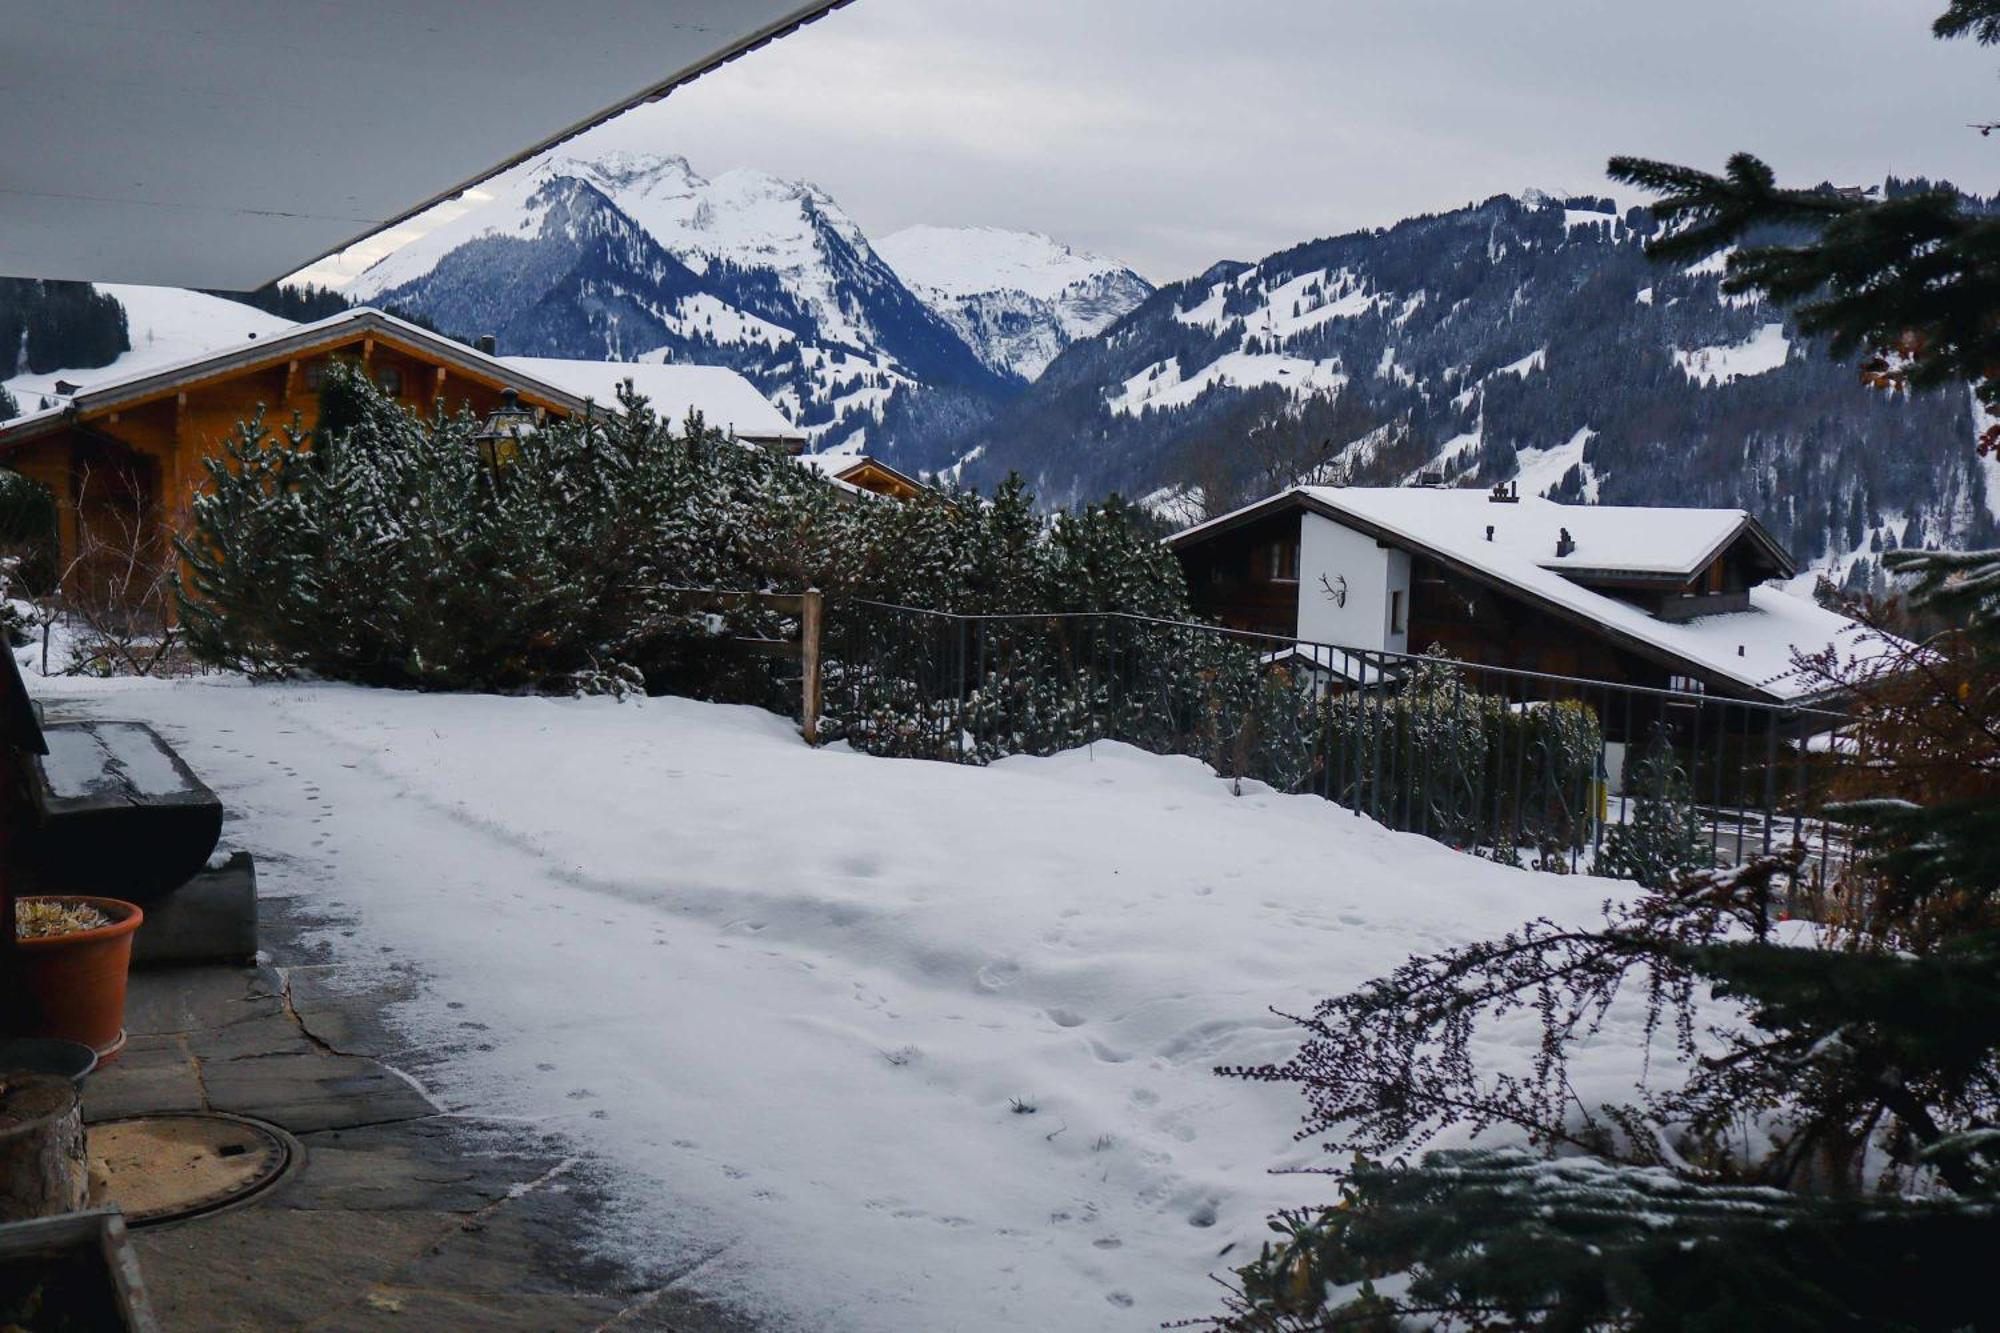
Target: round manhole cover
<point>157,1168</point>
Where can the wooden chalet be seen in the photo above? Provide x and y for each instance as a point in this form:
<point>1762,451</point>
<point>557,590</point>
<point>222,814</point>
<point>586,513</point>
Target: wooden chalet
<point>1672,599</point>
<point>860,474</point>
<point>123,456</point>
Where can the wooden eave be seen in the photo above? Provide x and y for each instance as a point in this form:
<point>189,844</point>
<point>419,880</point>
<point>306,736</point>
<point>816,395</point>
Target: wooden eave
<point>871,464</point>
<point>1754,532</point>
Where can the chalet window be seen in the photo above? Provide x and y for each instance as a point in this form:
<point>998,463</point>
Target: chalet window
<point>1281,558</point>
<point>316,375</point>
<point>1686,685</point>
<point>389,379</point>
<point>1396,611</point>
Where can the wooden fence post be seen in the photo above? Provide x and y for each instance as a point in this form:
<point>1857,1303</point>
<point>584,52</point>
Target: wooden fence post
<point>809,628</point>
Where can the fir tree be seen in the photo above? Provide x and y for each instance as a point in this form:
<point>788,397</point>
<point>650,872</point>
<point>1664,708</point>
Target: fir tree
<point>1663,840</point>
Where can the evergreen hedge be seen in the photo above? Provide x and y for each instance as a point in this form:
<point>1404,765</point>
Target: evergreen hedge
<point>379,549</point>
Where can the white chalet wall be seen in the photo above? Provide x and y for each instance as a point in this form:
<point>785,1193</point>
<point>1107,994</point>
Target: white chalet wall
<point>1372,572</point>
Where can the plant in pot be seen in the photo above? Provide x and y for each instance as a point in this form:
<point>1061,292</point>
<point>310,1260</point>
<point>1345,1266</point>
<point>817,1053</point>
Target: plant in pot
<point>69,955</point>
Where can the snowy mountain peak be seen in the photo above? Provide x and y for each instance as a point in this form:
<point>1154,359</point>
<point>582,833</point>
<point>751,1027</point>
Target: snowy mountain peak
<point>965,261</point>
<point>627,254</point>
<point>628,169</point>
<point>1018,298</point>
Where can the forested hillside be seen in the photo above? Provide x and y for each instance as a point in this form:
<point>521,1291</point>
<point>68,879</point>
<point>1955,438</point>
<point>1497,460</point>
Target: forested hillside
<point>1522,337</point>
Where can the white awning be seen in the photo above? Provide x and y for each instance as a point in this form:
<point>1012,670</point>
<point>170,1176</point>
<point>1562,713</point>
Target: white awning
<point>226,143</point>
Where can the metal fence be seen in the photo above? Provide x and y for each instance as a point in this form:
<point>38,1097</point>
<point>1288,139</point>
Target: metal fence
<point>1528,767</point>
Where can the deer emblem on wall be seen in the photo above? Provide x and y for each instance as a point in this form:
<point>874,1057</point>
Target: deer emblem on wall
<point>1336,591</point>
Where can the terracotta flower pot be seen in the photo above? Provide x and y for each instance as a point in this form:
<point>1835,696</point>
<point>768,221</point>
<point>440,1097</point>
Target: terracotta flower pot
<point>75,984</point>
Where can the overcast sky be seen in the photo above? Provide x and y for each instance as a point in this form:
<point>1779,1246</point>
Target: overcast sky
<point>1172,133</point>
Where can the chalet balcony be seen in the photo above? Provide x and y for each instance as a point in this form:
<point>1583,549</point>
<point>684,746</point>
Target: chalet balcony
<point>1677,609</point>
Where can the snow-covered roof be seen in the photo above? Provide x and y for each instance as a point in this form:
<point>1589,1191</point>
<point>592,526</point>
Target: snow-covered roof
<point>1751,648</point>
<point>216,144</point>
<point>1619,539</point>
<point>724,398</point>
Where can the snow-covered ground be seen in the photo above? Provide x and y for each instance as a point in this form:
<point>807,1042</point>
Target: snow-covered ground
<point>165,325</point>
<point>894,1045</point>
<point>1762,352</point>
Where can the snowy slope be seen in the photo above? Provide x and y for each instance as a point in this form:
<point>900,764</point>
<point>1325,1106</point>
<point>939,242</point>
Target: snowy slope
<point>165,325</point>
<point>511,204</point>
<point>1018,298</point>
<point>747,218</point>
<point>783,1003</point>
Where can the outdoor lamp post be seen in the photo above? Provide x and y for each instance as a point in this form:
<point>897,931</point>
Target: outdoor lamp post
<point>499,440</point>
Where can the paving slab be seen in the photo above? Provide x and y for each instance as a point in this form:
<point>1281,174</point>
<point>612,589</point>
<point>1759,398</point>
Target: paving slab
<point>312,1091</point>
<point>192,999</point>
<point>152,1074</point>
<point>424,1165</point>
<point>269,1268</point>
<point>390,1306</point>
<point>345,1010</point>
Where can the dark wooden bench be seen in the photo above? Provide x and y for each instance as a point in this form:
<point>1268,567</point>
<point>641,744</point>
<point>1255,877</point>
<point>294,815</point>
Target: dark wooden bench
<point>116,813</point>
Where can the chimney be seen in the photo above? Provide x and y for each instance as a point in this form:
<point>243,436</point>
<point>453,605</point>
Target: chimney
<point>67,389</point>
<point>1501,494</point>
<point>1564,543</point>
<point>488,344</point>
<point>1489,532</point>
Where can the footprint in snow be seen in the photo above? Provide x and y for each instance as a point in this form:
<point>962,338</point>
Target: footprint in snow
<point>862,866</point>
<point>998,976</point>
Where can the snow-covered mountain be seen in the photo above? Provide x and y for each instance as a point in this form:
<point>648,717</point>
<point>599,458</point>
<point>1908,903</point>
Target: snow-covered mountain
<point>633,256</point>
<point>1527,338</point>
<point>1017,298</point>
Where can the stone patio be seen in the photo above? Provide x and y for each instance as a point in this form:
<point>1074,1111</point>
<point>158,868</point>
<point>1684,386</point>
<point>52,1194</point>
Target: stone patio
<point>400,1216</point>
